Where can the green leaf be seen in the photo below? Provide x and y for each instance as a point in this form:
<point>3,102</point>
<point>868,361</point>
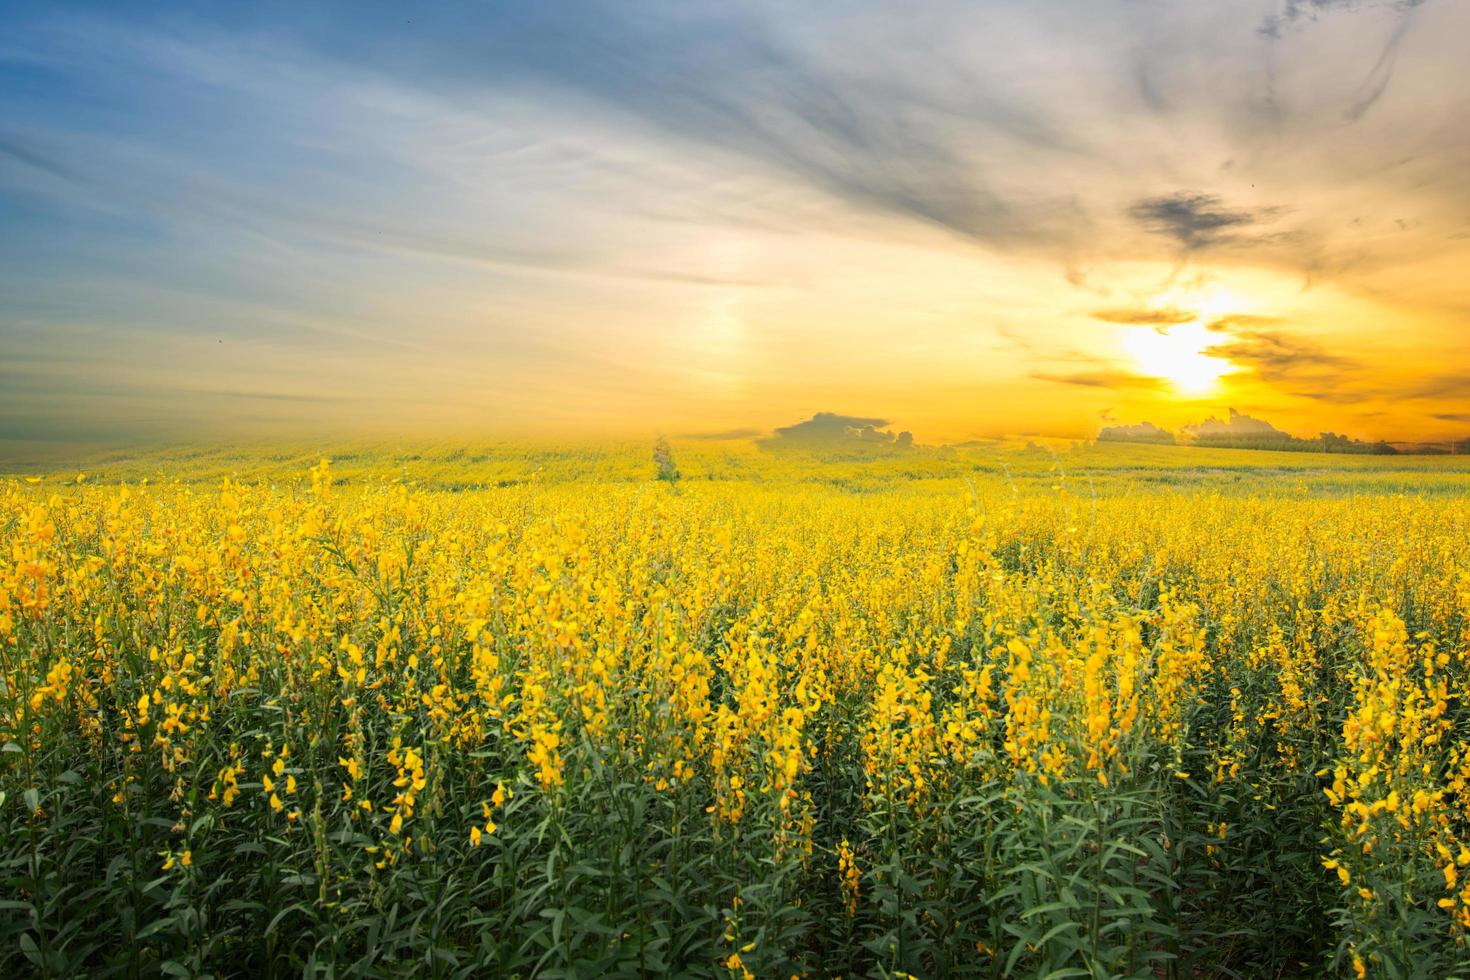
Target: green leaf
<point>31,950</point>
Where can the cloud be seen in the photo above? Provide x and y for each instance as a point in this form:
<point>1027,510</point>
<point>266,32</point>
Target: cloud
<point>1276,356</point>
<point>1377,79</point>
<point>830,425</point>
<point>1146,316</point>
<point>1455,386</point>
<point>1236,426</point>
<point>1358,384</point>
<point>1196,220</point>
<point>965,136</point>
<point>830,428</point>
<point>1306,369</point>
<point>1453,416</point>
<point>16,150</point>
<point>1299,13</point>
<point>829,102</point>
<point>1298,366</point>
<point>276,396</point>
<point>1337,396</point>
<point>1102,378</point>
<point>1242,321</point>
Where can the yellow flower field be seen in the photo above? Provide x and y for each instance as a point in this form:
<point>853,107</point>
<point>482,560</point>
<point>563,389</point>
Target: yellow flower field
<point>1128,712</point>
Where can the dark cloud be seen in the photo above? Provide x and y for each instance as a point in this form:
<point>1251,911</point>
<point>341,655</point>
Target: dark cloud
<point>1453,416</point>
<point>1378,77</point>
<point>1306,369</point>
<point>829,425</point>
<point>1276,356</point>
<point>1299,13</point>
<point>1196,220</point>
<point>1145,317</point>
<point>1101,378</point>
<point>832,429</point>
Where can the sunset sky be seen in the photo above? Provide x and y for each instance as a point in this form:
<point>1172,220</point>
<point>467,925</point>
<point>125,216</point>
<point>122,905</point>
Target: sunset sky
<point>969,219</point>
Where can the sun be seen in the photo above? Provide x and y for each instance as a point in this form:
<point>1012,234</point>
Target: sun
<point>1178,354</point>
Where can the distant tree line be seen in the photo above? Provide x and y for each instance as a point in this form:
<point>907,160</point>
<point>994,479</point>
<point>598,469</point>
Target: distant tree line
<point>1326,442</point>
<point>1143,432</point>
<point>1147,433</point>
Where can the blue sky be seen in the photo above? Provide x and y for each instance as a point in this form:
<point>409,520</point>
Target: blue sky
<point>223,220</point>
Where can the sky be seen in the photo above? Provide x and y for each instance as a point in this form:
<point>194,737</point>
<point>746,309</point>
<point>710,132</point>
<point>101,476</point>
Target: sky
<point>966,219</point>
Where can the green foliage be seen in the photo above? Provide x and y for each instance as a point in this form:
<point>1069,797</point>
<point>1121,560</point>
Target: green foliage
<point>1202,858</point>
<point>663,458</point>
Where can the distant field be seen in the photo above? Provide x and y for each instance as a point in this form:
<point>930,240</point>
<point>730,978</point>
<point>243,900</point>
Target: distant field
<point>458,466</point>
<point>1010,709</point>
